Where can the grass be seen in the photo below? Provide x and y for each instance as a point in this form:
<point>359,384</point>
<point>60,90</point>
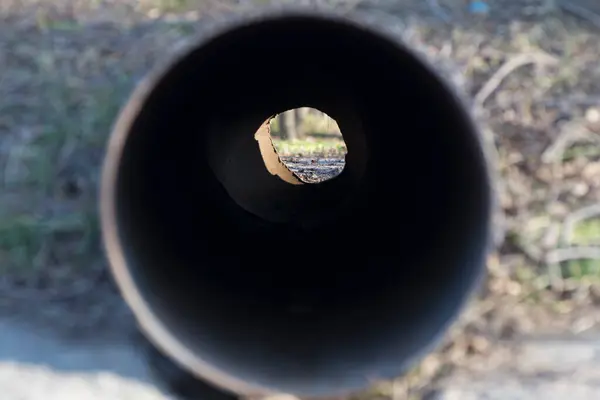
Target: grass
<point>323,137</point>
<point>25,239</point>
<point>52,162</point>
<point>310,148</point>
<point>314,123</point>
<point>586,233</point>
<point>40,213</point>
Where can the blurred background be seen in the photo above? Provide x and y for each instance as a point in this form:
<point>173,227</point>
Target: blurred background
<point>310,143</point>
<point>307,131</point>
<point>529,71</point>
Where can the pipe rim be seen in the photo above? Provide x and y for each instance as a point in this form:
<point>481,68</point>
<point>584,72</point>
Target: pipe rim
<point>158,334</point>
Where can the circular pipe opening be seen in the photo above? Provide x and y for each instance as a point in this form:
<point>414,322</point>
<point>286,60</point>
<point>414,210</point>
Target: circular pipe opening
<point>309,143</point>
<point>210,248</point>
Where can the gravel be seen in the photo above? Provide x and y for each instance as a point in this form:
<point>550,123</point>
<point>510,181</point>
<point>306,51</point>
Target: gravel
<point>314,170</point>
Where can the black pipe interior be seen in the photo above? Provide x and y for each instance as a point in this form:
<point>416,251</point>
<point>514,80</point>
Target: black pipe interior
<point>391,248</point>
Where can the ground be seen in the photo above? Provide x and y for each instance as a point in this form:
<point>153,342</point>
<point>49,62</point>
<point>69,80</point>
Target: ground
<point>527,69</point>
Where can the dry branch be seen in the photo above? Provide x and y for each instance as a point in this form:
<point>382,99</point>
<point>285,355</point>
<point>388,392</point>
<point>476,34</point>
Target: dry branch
<point>569,134</point>
<point>557,256</point>
<point>488,135</point>
<point>503,72</point>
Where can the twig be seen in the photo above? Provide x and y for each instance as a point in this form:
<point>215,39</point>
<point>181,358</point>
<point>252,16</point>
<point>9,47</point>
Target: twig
<point>510,66</point>
<point>576,217</point>
<point>557,256</point>
<point>499,221</point>
<point>488,135</point>
<point>569,134</point>
<point>570,7</point>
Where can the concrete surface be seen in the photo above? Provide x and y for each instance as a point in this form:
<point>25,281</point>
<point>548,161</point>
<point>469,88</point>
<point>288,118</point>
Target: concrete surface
<point>40,365</point>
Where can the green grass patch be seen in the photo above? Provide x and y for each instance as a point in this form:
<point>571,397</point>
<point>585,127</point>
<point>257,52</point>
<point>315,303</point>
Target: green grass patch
<point>582,270</point>
<point>308,148</point>
<point>26,240</point>
<point>585,233</point>
<point>73,126</point>
<point>75,120</point>
<point>312,124</point>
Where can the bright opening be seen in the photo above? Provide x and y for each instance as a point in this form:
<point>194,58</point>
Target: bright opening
<point>309,143</point>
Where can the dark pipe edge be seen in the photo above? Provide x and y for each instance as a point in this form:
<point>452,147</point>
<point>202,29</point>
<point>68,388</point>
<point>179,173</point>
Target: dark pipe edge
<point>162,335</point>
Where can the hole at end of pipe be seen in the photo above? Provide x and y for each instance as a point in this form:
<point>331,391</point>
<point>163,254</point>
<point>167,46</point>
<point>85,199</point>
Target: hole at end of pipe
<point>306,146</point>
